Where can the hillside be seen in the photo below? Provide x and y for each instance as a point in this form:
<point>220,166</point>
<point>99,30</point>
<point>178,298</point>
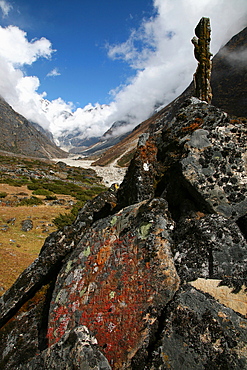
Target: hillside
<point>43,196</point>
<point>19,136</point>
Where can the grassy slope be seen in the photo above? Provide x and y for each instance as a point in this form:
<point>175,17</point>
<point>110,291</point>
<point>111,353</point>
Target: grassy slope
<point>18,248</point>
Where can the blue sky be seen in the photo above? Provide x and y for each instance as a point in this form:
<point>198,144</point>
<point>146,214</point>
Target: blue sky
<point>99,61</point>
<point>79,31</point>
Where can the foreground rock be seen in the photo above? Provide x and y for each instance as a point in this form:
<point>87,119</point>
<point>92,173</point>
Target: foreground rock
<point>200,333</point>
<point>119,274</point>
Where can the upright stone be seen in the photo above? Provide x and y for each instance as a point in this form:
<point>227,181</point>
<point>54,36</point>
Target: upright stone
<point>202,75</point>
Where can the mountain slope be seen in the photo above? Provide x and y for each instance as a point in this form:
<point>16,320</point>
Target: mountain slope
<point>229,76</point>
<point>19,136</point>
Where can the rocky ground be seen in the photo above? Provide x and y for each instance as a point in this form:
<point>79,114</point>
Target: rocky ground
<point>110,173</point>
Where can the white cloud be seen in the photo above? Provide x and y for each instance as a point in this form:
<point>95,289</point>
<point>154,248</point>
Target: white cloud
<point>17,50</point>
<point>53,73</point>
<point>5,7</point>
<point>19,90</point>
<point>159,51</point>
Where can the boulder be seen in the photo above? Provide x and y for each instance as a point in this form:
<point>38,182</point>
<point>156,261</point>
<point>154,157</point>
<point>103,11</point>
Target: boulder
<point>200,333</point>
<point>117,281</point>
<point>27,225</point>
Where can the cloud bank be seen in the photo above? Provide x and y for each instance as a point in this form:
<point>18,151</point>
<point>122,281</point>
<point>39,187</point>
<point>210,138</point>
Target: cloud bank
<point>159,52</point>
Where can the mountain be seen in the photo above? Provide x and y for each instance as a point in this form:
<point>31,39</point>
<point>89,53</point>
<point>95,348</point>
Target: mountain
<point>229,86</point>
<point>19,136</point>
<point>229,76</point>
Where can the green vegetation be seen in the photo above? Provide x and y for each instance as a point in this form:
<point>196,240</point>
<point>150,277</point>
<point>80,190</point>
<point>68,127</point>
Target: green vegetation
<point>33,201</point>
<point>67,219</point>
<point>46,179</point>
<point>41,191</point>
<point>3,194</point>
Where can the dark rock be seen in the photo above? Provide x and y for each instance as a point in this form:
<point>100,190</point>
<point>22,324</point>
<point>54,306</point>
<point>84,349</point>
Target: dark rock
<point>140,175</point>
<point>206,150</point>
<point>200,333</point>
<point>210,247</point>
<point>76,350</point>
<point>27,225</point>
<point>4,227</point>
<point>11,221</point>
<point>20,340</point>
<point>202,53</point>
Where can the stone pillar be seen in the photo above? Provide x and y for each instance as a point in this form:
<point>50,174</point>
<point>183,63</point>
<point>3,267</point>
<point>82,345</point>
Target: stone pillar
<point>202,53</point>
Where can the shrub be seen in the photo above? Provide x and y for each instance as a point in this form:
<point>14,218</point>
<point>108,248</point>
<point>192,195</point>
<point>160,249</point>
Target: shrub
<point>67,219</point>
<point>42,191</point>
<point>51,197</point>
<point>3,194</point>
<point>33,201</point>
<point>63,220</point>
<point>34,186</point>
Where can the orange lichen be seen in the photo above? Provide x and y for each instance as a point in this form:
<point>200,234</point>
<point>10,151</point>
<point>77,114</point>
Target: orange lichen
<point>194,125</point>
<point>147,152</point>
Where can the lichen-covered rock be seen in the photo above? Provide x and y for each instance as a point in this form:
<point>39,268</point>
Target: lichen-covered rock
<point>179,215</point>
<point>117,281</point>
<point>21,338</point>
<point>199,333</point>
<point>77,350</point>
<point>202,53</point>
<point>210,247</point>
<point>206,151</point>
<point>23,315</point>
<point>138,184</point>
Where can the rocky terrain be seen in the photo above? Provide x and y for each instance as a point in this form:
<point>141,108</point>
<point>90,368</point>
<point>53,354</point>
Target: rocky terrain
<point>136,281</point>
<point>110,174</point>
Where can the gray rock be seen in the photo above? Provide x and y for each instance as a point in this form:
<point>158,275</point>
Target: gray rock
<point>27,225</point>
<point>210,247</point>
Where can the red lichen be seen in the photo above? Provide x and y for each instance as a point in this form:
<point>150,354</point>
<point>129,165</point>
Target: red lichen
<point>118,287</point>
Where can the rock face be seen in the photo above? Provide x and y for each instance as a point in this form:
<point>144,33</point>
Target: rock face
<point>112,290</point>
